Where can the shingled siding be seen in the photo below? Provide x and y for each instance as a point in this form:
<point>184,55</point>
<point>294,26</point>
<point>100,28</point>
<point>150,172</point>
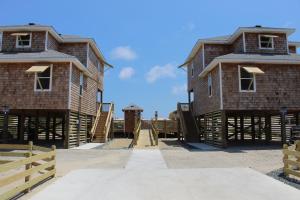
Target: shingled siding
<point>214,50</point>
<point>17,87</point>
<point>198,67</point>
<point>86,104</point>
<point>252,44</point>
<point>37,42</point>
<point>202,102</point>
<point>238,45</point>
<point>93,67</point>
<point>278,86</point>
<point>79,50</point>
<point>52,43</point>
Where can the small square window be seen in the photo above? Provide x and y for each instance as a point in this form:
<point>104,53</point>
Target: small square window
<point>23,41</point>
<point>192,69</point>
<point>266,42</point>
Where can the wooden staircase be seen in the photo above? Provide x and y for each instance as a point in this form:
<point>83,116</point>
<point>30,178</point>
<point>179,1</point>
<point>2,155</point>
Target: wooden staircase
<point>102,124</point>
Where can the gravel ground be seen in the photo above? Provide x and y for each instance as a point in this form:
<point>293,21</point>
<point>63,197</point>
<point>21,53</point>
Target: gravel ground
<point>278,175</point>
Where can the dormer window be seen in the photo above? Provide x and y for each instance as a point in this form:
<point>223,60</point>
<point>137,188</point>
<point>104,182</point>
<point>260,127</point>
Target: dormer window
<point>266,41</point>
<point>23,40</point>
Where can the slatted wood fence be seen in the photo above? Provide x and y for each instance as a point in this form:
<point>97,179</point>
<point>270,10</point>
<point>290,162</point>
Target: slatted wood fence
<point>23,167</point>
<point>291,159</point>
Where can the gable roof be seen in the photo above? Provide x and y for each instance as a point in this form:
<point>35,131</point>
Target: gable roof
<point>251,58</point>
<point>60,38</point>
<point>229,39</point>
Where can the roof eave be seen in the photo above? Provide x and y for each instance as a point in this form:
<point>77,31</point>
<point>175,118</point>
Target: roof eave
<point>216,61</point>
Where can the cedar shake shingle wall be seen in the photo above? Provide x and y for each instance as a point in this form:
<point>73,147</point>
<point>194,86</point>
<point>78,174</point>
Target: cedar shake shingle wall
<point>37,42</point>
<point>214,50</point>
<point>237,45</point>
<point>17,87</point>
<point>79,50</point>
<point>88,99</point>
<point>252,43</point>
<point>93,67</point>
<point>202,102</point>
<point>198,67</point>
<point>278,86</point>
<point>52,43</point>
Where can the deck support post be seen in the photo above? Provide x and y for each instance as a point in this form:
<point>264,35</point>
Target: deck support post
<point>252,128</point>
<point>268,130</point>
<point>47,127</point>
<point>235,128</point>
<point>224,131</point>
<point>242,127</point>
<point>54,129</point>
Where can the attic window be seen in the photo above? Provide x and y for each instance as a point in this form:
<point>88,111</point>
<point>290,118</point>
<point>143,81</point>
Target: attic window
<point>266,41</point>
<point>23,40</point>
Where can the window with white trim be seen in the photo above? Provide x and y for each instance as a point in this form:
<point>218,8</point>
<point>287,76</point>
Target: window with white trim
<point>192,69</point>
<point>247,81</point>
<point>81,84</point>
<point>23,41</point>
<point>1,36</point>
<point>43,80</point>
<point>209,84</point>
<point>266,42</point>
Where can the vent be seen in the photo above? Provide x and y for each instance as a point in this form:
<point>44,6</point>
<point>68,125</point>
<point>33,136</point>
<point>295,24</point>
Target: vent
<point>31,24</point>
<point>258,26</point>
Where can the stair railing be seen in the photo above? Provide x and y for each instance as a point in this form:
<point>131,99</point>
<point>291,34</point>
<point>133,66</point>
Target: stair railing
<point>93,130</point>
<point>136,134</point>
<point>154,133</point>
<point>181,119</point>
<point>108,120</point>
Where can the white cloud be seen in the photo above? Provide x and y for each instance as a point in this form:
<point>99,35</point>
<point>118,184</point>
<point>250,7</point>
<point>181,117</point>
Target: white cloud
<point>126,73</point>
<point>123,53</point>
<point>157,72</point>
<point>179,89</point>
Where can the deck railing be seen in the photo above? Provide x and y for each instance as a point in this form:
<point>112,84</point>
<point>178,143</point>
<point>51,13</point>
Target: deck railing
<point>136,134</point>
<point>291,159</point>
<point>37,166</point>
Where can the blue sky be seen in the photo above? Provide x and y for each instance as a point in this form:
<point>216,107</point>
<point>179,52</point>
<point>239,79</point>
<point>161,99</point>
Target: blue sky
<point>147,40</point>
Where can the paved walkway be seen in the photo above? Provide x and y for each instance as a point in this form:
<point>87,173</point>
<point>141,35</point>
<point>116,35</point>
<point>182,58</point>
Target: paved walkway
<point>146,176</point>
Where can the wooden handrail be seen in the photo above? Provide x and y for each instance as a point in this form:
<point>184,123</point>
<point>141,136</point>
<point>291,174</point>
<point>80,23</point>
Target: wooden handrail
<point>108,120</point>
<point>93,130</point>
<point>136,134</point>
<point>154,133</point>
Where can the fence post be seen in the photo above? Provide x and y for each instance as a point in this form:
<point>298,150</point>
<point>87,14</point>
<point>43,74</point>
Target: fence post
<point>285,158</point>
<point>29,165</point>
<point>53,148</point>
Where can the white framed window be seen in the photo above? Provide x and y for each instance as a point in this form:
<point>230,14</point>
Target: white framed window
<point>43,80</point>
<point>247,81</point>
<point>81,83</point>
<point>266,41</point>
<point>192,69</point>
<point>209,84</point>
<point>23,40</point>
<point>1,36</point>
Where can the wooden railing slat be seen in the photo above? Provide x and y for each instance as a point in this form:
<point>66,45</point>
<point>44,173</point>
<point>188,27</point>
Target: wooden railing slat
<point>14,154</point>
<point>14,146</point>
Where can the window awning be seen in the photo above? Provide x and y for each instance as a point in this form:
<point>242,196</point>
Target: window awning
<point>254,70</point>
<point>35,69</point>
<point>19,34</point>
<point>273,36</point>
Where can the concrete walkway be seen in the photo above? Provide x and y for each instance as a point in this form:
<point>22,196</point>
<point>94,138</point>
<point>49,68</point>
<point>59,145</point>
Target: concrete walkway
<point>146,159</point>
<point>165,184</point>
